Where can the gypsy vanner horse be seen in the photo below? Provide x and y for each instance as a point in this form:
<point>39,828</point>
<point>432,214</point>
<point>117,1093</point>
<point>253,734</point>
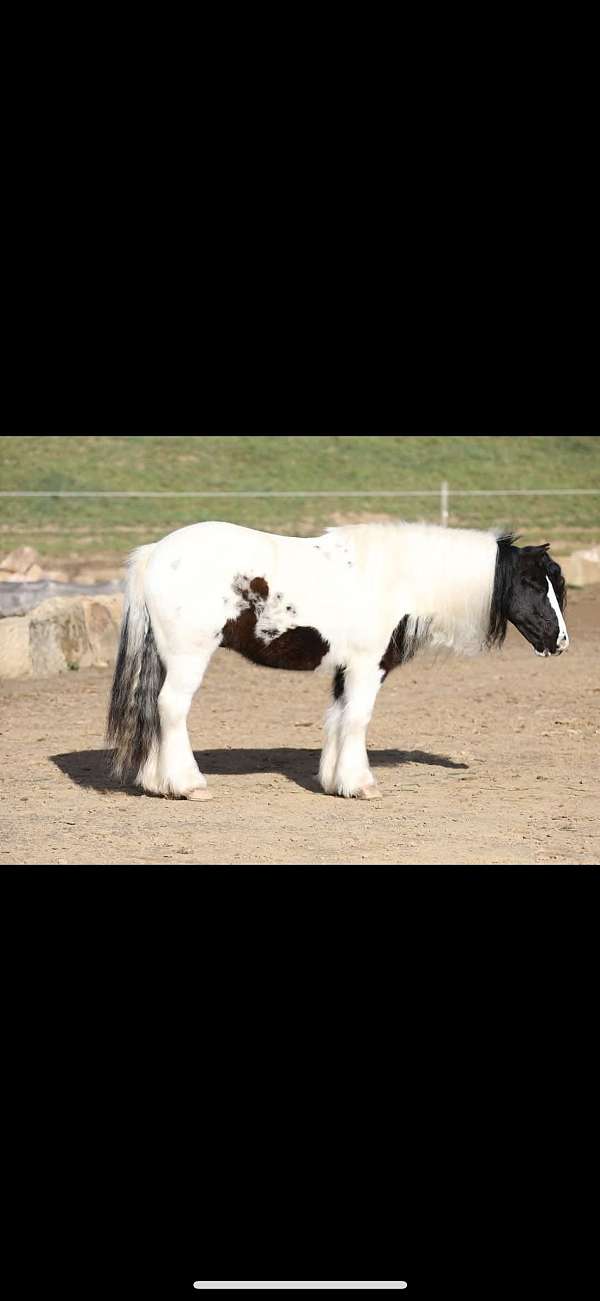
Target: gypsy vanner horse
<point>359,600</point>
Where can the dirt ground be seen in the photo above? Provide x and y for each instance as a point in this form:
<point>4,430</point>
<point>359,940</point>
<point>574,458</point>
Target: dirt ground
<point>487,761</point>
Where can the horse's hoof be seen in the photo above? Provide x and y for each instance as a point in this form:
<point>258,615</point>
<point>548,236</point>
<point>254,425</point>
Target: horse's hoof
<point>368,793</point>
<point>200,793</point>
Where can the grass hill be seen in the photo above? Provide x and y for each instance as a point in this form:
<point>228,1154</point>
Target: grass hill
<point>93,527</point>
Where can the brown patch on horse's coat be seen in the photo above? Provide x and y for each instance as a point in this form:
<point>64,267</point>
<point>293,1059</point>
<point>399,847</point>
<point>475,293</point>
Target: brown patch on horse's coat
<point>295,648</point>
<point>261,587</point>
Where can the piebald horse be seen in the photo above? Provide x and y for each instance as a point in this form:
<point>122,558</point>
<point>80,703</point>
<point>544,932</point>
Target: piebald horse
<point>359,600</point>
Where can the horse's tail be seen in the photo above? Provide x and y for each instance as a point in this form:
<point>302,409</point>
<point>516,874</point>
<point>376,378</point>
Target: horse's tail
<point>133,726</point>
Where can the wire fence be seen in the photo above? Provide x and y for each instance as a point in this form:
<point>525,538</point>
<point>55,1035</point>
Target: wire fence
<point>443,493</point>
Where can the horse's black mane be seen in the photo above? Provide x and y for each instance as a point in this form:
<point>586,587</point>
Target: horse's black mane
<point>555,574</point>
<point>505,565</point>
<point>503,575</point>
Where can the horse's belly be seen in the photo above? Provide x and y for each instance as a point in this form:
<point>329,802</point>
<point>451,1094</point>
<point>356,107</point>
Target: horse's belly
<point>296,648</point>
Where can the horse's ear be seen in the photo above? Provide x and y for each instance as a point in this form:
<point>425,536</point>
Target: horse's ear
<point>541,550</point>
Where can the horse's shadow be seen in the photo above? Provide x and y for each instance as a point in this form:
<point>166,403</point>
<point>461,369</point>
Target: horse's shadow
<point>91,768</point>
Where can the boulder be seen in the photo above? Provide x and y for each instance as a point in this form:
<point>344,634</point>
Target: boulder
<point>15,657</point>
<point>582,567</point>
<point>58,637</point>
<point>22,597</point>
<point>32,575</point>
<point>65,632</point>
<point>20,560</point>
<point>99,574</point>
<point>102,618</point>
<point>56,575</point>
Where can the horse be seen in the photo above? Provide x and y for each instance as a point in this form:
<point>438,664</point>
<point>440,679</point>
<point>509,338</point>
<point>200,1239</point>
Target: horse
<point>358,600</point>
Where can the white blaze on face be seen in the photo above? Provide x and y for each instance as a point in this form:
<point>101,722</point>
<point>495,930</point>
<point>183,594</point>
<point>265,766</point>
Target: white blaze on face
<point>563,636</point>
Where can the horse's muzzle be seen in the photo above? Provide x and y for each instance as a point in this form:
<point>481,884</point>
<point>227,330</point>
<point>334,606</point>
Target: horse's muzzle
<point>561,645</point>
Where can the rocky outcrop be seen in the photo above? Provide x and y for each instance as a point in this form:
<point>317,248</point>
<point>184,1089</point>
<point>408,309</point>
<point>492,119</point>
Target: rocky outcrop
<point>23,569</point>
<point>20,566</point>
<point>66,632</point>
<point>20,598</point>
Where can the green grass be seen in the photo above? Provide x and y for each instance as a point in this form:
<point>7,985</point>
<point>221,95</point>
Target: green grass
<point>82,527</point>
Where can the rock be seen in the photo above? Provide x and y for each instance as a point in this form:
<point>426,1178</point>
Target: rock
<point>34,573</point>
<point>102,616</point>
<point>582,567</point>
<point>15,657</point>
<point>20,560</point>
<point>102,574</point>
<point>65,632</point>
<point>85,577</point>
<point>22,597</point>
<point>58,637</point>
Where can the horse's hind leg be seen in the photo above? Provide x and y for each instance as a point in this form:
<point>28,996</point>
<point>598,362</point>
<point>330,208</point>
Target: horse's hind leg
<point>173,770</point>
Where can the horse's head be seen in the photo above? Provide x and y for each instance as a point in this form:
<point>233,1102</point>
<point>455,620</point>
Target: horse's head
<point>530,592</point>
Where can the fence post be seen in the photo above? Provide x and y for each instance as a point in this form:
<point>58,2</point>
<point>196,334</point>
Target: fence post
<point>444,503</point>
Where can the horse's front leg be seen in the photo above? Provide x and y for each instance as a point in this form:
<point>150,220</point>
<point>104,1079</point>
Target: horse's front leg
<point>331,743</point>
<point>344,763</point>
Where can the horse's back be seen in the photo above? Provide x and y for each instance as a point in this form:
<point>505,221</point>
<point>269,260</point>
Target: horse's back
<point>276,600</point>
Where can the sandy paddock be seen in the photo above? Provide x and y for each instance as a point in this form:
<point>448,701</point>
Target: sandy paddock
<point>491,761</point>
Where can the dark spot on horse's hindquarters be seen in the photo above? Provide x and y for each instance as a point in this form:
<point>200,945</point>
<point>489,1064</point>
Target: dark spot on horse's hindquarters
<point>261,587</point>
<point>339,682</point>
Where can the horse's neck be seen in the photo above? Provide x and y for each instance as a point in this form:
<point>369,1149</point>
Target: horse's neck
<point>445,576</point>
